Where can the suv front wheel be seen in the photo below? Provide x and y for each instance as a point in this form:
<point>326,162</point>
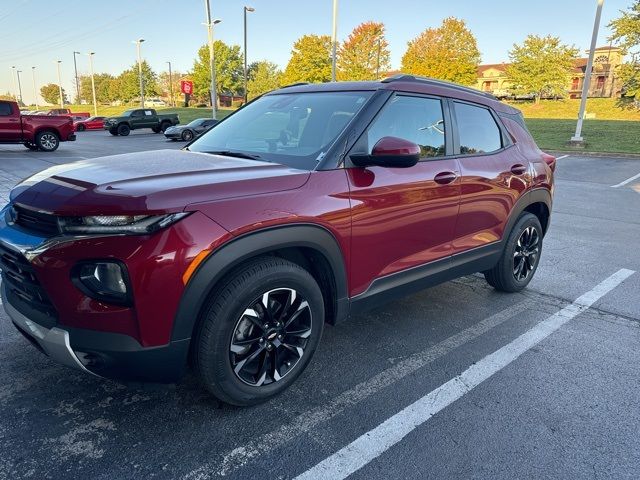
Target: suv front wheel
<point>259,331</point>
<point>520,257</point>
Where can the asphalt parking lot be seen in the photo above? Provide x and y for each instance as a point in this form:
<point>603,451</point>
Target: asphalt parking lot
<point>458,381</point>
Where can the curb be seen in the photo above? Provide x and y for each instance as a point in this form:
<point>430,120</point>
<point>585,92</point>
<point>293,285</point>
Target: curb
<point>577,153</point>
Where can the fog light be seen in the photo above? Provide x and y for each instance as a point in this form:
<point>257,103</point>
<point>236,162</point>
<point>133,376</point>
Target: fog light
<point>104,280</point>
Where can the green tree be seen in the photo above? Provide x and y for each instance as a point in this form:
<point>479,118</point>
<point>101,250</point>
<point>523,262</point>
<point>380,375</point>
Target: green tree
<point>102,82</point>
<point>129,83</point>
<point>165,84</point>
<point>448,52</point>
<point>540,66</point>
<point>51,94</point>
<point>310,60</point>
<point>264,76</point>
<point>364,54</point>
<point>229,71</point>
<point>626,34</point>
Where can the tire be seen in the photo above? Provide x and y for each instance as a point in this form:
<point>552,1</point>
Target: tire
<point>113,131</point>
<point>81,128</point>
<point>187,135</point>
<point>123,129</point>
<point>164,126</point>
<point>235,310</point>
<point>156,129</point>
<point>47,141</point>
<point>31,146</point>
<point>520,257</point>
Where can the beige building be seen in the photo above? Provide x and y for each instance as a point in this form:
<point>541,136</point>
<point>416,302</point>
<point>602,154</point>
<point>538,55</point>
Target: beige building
<point>493,78</point>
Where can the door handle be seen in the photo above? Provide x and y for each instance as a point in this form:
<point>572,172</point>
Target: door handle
<point>443,178</point>
<point>518,169</point>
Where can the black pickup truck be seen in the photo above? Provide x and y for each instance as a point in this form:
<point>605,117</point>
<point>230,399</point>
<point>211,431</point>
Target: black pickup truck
<point>140,118</point>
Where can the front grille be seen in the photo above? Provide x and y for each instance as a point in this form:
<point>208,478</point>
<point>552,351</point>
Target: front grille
<point>23,288</point>
<point>36,221</point>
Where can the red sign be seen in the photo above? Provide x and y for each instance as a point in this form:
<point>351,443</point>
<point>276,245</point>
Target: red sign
<point>186,86</point>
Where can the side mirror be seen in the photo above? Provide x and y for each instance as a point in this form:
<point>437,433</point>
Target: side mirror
<point>390,152</point>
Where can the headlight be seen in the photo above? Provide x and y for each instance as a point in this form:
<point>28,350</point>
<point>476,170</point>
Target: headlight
<point>118,224</point>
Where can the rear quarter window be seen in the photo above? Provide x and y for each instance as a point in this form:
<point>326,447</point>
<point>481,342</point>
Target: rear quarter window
<point>477,129</point>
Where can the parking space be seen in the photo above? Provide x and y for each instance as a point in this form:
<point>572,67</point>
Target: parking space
<point>563,404</point>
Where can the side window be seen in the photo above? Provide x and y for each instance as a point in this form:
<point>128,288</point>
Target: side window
<point>477,129</point>
<point>5,109</point>
<point>137,113</point>
<point>417,119</point>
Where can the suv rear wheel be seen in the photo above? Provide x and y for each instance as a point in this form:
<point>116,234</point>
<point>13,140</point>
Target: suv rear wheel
<point>520,257</point>
<point>259,331</point>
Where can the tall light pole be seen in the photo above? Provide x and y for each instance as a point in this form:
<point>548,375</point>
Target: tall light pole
<point>58,62</point>
<point>334,40</point>
<point>35,90</point>
<point>138,42</point>
<point>246,9</point>
<point>171,86</point>
<point>13,80</point>
<point>577,137</point>
<point>93,85</point>
<point>18,72</point>
<point>212,66</point>
<point>75,67</point>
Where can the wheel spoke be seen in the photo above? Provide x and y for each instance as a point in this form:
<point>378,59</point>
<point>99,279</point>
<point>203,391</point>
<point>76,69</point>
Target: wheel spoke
<point>301,308</point>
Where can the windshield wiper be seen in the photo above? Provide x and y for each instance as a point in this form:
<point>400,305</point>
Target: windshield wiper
<point>231,153</point>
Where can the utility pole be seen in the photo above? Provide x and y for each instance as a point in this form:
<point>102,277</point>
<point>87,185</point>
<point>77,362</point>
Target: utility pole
<point>18,72</point>
<point>138,42</point>
<point>13,80</point>
<point>334,40</point>
<point>58,62</point>
<point>35,90</point>
<point>93,85</point>
<point>378,61</point>
<point>75,67</point>
<point>577,137</point>
<point>246,9</point>
<point>212,66</point>
<point>171,86</point>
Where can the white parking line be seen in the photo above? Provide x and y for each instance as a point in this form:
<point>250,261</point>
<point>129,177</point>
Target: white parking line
<point>561,157</point>
<point>375,442</point>
<point>628,180</point>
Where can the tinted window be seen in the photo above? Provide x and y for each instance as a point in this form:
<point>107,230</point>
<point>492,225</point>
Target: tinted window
<point>5,109</point>
<point>478,131</point>
<point>416,119</point>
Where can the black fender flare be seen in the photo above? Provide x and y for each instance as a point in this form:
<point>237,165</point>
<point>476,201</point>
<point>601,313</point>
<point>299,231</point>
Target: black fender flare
<point>537,195</point>
<point>222,260</point>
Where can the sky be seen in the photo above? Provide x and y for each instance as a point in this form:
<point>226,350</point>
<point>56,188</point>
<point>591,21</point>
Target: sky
<point>39,32</point>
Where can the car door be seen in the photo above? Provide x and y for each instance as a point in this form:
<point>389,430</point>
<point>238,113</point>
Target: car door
<point>494,175</point>
<point>403,217</point>
<point>10,127</point>
<point>150,119</point>
<point>137,119</point>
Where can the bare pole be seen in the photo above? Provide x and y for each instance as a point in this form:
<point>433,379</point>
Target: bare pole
<point>171,86</point>
<point>58,62</point>
<point>334,40</point>
<point>75,67</point>
<point>246,9</point>
<point>93,84</point>
<point>138,42</point>
<point>212,66</point>
<point>18,72</point>
<point>35,90</point>
<point>577,137</point>
<point>13,80</point>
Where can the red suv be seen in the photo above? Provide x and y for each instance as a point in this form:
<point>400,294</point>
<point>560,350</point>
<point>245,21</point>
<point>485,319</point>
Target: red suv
<point>310,204</point>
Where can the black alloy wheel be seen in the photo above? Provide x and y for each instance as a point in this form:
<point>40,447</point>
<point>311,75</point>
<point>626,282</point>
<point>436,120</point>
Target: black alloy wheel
<point>187,135</point>
<point>525,255</point>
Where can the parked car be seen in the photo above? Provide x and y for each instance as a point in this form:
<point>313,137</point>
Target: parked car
<point>308,205</point>
<point>91,123</point>
<point>140,118</point>
<point>36,132</point>
<point>191,130</point>
<point>66,111</point>
<point>154,102</point>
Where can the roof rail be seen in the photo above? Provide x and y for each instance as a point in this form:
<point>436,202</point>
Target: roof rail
<point>296,84</point>
<point>403,77</point>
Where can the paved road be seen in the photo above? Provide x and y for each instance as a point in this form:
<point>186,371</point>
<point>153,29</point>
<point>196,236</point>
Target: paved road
<point>458,381</point>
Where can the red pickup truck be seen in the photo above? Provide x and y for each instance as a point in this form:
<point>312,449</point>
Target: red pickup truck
<point>36,132</point>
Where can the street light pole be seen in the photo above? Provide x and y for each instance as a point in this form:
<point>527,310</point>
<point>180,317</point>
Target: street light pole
<point>246,9</point>
<point>18,72</point>
<point>75,67</point>
<point>138,42</point>
<point>35,90</point>
<point>58,62</point>
<point>171,86</point>
<point>334,40</point>
<point>212,67</point>
<point>577,137</point>
<point>13,80</point>
<point>93,85</point>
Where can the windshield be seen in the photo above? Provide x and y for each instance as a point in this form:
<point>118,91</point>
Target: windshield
<point>195,123</point>
<point>127,113</point>
<point>293,129</point>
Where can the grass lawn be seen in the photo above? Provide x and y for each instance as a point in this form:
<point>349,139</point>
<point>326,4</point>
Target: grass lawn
<point>602,108</point>
<point>613,136</point>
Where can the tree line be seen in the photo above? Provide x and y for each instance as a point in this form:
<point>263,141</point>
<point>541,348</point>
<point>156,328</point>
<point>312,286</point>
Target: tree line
<point>538,66</point>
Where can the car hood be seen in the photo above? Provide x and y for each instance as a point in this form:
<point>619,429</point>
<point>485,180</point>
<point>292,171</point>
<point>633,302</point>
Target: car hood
<point>159,181</point>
